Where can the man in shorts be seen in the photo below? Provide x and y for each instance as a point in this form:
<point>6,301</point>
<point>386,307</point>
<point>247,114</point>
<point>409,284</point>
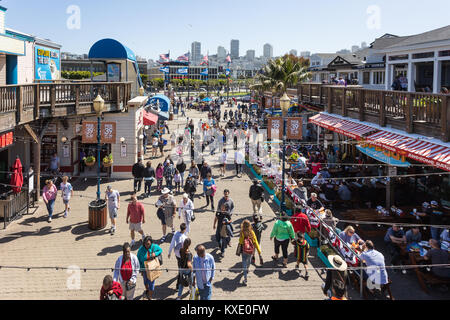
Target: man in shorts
<point>136,217</point>
<point>113,199</point>
<point>67,193</point>
<point>166,211</point>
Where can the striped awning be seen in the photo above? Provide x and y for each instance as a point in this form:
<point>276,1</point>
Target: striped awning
<point>420,150</point>
<point>349,128</point>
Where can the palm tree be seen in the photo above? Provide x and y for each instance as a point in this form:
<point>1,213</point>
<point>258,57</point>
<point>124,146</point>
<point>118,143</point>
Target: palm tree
<point>280,74</point>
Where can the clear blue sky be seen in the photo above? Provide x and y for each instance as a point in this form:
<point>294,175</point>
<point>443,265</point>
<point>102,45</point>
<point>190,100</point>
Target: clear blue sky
<point>151,27</point>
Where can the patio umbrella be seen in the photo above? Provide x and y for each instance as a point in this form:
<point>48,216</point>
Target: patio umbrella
<point>207,100</point>
<point>17,176</point>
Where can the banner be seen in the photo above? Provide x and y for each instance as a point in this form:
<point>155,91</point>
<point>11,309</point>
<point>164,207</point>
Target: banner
<point>164,69</point>
<point>275,128</point>
<point>182,71</point>
<point>268,102</point>
<point>204,72</point>
<point>295,128</point>
<point>108,132</point>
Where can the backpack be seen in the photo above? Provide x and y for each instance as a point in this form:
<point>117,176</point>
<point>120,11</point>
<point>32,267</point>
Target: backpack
<point>248,246</point>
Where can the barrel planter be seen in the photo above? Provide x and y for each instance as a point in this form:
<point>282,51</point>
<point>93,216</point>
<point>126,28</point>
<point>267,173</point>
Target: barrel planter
<point>97,215</point>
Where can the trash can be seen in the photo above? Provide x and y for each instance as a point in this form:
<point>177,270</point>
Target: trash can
<point>97,215</point>
<point>171,116</point>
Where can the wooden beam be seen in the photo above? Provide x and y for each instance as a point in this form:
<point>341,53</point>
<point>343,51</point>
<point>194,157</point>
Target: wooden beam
<point>32,134</point>
<point>409,114</point>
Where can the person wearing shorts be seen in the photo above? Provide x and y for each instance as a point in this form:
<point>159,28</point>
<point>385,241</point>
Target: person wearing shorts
<point>113,199</point>
<point>135,217</point>
<point>67,193</point>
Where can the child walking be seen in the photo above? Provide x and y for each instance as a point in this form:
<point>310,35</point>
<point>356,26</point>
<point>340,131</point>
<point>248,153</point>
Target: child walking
<point>177,180</point>
<point>159,176</point>
<point>302,252</point>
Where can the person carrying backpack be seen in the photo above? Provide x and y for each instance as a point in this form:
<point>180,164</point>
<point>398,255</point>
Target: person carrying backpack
<point>247,245</point>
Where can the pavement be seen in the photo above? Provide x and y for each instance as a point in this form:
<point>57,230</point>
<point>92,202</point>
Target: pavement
<point>69,243</point>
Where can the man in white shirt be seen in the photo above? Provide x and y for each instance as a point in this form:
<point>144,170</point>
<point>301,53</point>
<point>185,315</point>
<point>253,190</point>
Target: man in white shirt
<point>239,159</point>
<point>186,209</point>
<point>113,198</point>
<point>177,242</point>
<point>67,193</point>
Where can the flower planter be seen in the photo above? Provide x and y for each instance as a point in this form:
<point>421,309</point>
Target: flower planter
<point>270,191</point>
<point>257,176</point>
<point>312,242</point>
<point>107,164</point>
<point>323,258</point>
<point>89,164</point>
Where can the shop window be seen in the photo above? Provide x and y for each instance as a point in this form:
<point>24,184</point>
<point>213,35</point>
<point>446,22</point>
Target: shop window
<point>366,77</point>
<point>399,57</point>
<point>445,53</point>
<point>378,77</point>
<point>423,55</point>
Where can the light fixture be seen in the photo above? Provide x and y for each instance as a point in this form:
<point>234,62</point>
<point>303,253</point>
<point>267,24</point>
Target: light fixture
<point>141,137</point>
<point>141,91</point>
<point>147,127</point>
<point>122,140</point>
<point>99,105</point>
<point>285,103</point>
<point>64,139</point>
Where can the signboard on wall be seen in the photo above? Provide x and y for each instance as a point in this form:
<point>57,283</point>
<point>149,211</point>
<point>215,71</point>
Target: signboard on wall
<point>108,132</point>
<point>268,103</point>
<point>47,63</point>
<point>113,72</point>
<point>294,128</point>
<point>275,128</point>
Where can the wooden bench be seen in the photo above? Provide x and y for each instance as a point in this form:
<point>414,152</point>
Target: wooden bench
<point>427,278</point>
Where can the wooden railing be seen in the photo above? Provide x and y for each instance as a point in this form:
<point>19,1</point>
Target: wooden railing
<point>33,101</point>
<point>413,112</point>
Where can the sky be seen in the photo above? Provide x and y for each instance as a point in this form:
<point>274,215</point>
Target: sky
<point>151,27</point>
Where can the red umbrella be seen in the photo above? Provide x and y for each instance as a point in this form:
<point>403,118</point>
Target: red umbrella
<point>17,176</point>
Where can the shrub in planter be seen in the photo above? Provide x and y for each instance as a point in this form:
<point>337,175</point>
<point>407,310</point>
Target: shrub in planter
<point>269,183</point>
<point>327,250</point>
<point>108,161</point>
<point>89,161</point>
<point>257,169</point>
<point>314,234</point>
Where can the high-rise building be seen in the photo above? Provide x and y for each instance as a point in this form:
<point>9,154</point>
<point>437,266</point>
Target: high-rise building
<point>250,56</point>
<point>196,51</point>
<point>305,54</point>
<point>234,49</point>
<point>293,52</point>
<point>355,48</point>
<point>221,52</point>
<point>268,51</point>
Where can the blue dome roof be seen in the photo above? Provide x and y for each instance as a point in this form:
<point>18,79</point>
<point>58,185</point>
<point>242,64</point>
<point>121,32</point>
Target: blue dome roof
<point>111,49</point>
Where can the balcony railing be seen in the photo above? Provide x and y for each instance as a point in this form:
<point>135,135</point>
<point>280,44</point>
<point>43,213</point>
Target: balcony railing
<point>422,113</point>
<point>30,102</point>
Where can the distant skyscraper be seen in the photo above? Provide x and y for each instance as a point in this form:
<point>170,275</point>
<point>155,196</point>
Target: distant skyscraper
<point>221,53</point>
<point>293,52</point>
<point>305,54</point>
<point>268,51</point>
<point>363,45</point>
<point>355,48</point>
<point>196,52</point>
<point>250,56</point>
<point>234,50</point>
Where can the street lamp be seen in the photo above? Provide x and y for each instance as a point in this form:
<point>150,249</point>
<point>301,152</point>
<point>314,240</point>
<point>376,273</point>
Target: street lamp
<point>141,91</point>
<point>284,104</point>
<point>99,105</point>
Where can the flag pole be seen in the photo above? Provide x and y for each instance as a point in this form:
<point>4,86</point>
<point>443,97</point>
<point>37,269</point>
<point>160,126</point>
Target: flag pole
<point>189,76</point>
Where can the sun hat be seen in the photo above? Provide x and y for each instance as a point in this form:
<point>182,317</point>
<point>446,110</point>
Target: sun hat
<point>337,262</point>
<point>165,191</point>
<point>185,196</point>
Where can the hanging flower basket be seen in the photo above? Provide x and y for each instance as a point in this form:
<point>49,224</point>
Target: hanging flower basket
<point>108,161</point>
<point>89,161</point>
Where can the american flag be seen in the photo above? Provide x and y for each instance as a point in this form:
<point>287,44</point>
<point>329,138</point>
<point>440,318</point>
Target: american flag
<point>228,59</point>
<point>164,57</point>
<point>184,57</point>
<point>205,60</point>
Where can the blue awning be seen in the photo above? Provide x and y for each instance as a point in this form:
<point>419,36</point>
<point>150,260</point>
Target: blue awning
<point>111,49</point>
<point>164,102</point>
<point>163,116</point>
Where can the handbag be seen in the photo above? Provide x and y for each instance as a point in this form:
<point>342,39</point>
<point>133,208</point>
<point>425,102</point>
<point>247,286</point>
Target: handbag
<point>153,269</point>
<point>184,279</point>
<point>130,285</point>
<point>239,250</point>
<point>209,192</point>
<point>192,217</point>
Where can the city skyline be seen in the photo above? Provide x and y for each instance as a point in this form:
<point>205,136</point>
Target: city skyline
<point>205,23</point>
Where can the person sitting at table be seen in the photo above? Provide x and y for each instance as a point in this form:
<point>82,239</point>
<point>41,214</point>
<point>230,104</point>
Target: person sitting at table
<point>290,182</point>
<point>331,221</point>
<point>413,235</point>
<point>394,238</point>
<point>445,235</point>
<point>301,191</point>
<point>325,173</point>
<point>315,203</point>
<point>329,193</point>
<point>438,256</point>
<point>315,166</point>
<point>375,262</point>
<point>344,192</point>
<point>318,180</point>
<point>350,236</point>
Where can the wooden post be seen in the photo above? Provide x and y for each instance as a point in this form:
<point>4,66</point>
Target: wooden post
<point>77,98</point>
<point>382,120</point>
<point>362,104</point>
<point>330,100</point>
<point>118,97</point>
<point>37,101</point>
<point>19,104</point>
<point>409,114</point>
<point>344,99</point>
<point>320,95</point>
<point>36,159</point>
<point>445,118</point>
<point>301,93</point>
<point>310,93</point>
<point>52,100</point>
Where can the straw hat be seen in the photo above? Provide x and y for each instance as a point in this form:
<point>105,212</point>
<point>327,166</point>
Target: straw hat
<point>165,191</point>
<point>337,262</point>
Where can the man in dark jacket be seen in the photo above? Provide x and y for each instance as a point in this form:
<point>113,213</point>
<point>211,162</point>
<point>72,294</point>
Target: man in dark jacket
<point>205,170</point>
<point>149,177</point>
<point>256,195</point>
<point>181,167</point>
<point>190,187</point>
<point>138,174</point>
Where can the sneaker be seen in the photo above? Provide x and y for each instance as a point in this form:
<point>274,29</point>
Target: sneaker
<point>113,231</point>
<point>132,243</point>
<point>245,282</point>
<point>306,276</point>
<point>65,214</point>
<point>49,220</point>
<point>163,239</point>
<point>178,298</point>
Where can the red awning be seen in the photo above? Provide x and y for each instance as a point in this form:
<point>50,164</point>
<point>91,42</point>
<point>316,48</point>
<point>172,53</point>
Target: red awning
<point>420,150</point>
<point>150,118</point>
<point>349,128</point>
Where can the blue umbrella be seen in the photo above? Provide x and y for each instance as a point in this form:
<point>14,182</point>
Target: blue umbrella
<point>207,100</point>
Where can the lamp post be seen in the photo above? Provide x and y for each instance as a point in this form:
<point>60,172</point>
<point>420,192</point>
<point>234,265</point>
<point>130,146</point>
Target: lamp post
<point>99,105</point>
<point>284,104</point>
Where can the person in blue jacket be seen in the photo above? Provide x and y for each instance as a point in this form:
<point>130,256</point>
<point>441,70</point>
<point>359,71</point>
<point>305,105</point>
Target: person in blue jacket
<point>148,251</point>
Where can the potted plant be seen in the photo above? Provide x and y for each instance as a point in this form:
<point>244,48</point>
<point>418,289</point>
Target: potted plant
<point>89,161</point>
<point>108,161</point>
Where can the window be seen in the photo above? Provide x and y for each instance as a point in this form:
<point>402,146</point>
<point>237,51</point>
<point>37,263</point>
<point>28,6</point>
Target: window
<point>423,55</point>
<point>366,77</point>
<point>444,53</point>
<point>378,77</point>
<point>400,57</point>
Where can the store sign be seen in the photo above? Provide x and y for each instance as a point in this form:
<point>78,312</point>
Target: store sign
<point>6,139</point>
<point>295,128</point>
<point>275,128</point>
<point>78,129</point>
<point>11,45</point>
<point>268,103</point>
<point>108,132</point>
<point>113,72</point>
<point>47,63</point>
<point>139,119</point>
<point>383,155</point>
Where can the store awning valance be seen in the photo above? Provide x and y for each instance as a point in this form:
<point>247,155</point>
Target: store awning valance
<point>150,118</point>
<point>420,150</point>
<point>346,127</point>
<point>163,116</point>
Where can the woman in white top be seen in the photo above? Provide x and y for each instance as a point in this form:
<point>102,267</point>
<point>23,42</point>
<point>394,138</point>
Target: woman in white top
<point>223,163</point>
<point>186,209</point>
<point>67,193</point>
<point>154,147</point>
<point>126,270</point>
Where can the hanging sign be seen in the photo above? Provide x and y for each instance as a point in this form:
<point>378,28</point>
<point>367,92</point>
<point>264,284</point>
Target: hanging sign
<point>295,128</point>
<point>123,150</point>
<point>275,128</point>
<point>384,156</point>
<point>108,132</point>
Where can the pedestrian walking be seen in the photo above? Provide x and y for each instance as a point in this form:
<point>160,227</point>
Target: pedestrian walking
<point>135,217</point>
<point>111,290</point>
<point>185,277</point>
<point>205,170</point>
<point>66,194</point>
<point>225,211</point>
<point>161,145</point>
<point>166,211</point>
<point>169,173</point>
<point>177,242</point>
<point>336,282</point>
<point>155,145</point>
<point>258,227</point>
<point>126,270</point>
<point>223,163</point>
<point>256,194</point>
<point>283,233</point>
<point>138,174</point>
<point>181,167</point>
<point>149,178</point>
<point>49,194</point>
<point>159,172</point>
<point>113,199</point>
<point>186,210</point>
<point>302,250</point>
<point>204,268</point>
<point>194,172</point>
<point>209,189</point>
<point>190,187</point>
<point>239,160</point>
<point>147,252</point>
<point>177,180</point>
<point>248,243</point>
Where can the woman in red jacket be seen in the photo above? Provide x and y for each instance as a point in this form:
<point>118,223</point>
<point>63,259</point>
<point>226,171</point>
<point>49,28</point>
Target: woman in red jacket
<point>111,290</point>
